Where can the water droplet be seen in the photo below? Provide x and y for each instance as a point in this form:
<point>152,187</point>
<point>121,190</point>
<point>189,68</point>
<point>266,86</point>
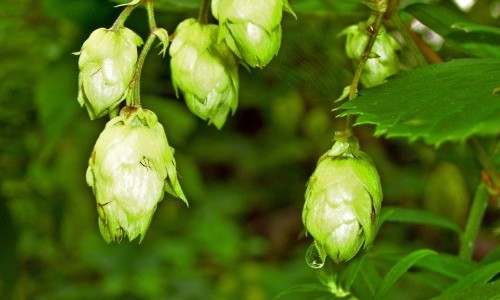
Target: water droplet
<point>315,257</point>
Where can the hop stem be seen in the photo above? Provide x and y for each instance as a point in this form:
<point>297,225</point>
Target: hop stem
<point>353,89</point>
<point>123,16</point>
<point>135,83</point>
<point>151,15</point>
<point>203,13</point>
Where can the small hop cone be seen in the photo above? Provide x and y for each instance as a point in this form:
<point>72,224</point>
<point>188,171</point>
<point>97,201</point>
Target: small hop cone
<point>206,72</point>
<point>342,201</point>
<point>107,61</point>
<point>130,168</point>
<point>252,29</point>
<point>384,62</point>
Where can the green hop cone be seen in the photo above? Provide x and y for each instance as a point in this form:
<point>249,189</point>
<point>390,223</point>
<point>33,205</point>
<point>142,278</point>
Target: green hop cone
<point>107,61</point>
<point>206,72</point>
<point>130,168</point>
<point>383,61</point>
<point>342,201</point>
<point>252,29</point>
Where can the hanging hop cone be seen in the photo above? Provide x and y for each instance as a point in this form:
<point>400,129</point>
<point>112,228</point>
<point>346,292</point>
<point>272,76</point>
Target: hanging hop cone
<point>252,29</point>
<point>383,60</point>
<point>206,72</point>
<point>107,61</point>
<point>342,201</point>
<point>130,167</point>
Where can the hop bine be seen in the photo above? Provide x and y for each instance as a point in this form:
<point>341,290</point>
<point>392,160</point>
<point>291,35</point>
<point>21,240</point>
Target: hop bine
<point>130,168</point>
<point>342,201</point>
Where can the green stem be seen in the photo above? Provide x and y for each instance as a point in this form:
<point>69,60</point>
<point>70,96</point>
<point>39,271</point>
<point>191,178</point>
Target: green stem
<point>203,13</point>
<point>476,214</point>
<point>123,16</point>
<point>353,89</point>
<point>135,83</point>
<point>151,15</point>
<point>396,19</point>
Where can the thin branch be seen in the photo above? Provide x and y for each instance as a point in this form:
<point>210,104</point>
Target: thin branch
<point>353,89</point>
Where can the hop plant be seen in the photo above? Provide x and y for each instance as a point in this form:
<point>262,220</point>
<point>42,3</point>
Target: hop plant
<point>342,201</point>
<point>252,29</point>
<point>130,167</point>
<point>106,63</point>
<point>206,72</point>
<point>383,61</point>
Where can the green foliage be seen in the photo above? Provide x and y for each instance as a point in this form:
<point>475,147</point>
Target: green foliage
<point>399,269</point>
<point>444,102</point>
<point>242,237</point>
<point>476,292</point>
<point>481,275</point>
<point>398,214</point>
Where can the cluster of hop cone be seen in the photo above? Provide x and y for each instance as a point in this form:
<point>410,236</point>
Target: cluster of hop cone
<point>132,164</point>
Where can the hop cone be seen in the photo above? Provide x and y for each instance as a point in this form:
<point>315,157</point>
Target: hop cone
<point>343,199</point>
<point>384,62</point>
<point>107,61</point>
<point>206,72</point>
<point>130,168</point>
<point>252,29</point>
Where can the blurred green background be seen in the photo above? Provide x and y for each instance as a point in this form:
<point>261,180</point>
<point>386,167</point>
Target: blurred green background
<point>242,236</point>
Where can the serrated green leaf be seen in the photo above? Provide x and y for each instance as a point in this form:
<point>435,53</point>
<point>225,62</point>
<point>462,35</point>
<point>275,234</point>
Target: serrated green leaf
<point>422,217</point>
<point>481,275</point>
<point>398,270</point>
<point>444,102</point>
<point>459,32</point>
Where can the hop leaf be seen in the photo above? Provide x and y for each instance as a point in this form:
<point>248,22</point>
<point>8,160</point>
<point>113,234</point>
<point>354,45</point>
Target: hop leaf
<point>343,199</point>
<point>106,63</point>
<point>130,168</point>
<point>206,72</point>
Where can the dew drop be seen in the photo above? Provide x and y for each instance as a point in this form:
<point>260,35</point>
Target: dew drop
<point>314,258</point>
